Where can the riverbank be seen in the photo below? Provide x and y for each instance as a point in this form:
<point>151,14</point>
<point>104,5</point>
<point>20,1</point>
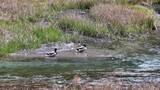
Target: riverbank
<point>65,50</point>
<point>69,22</point>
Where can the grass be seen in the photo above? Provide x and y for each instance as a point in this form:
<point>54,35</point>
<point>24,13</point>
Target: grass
<point>72,4</point>
<point>121,14</point>
<point>124,17</point>
<point>28,36</point>
<point>120,1</point>
<point>16,9</point>
<point>147,11</point>
<point>50,34</point>
<point>99,30</point>
<point>146,1</point>
<point>20,18</point>
<point>84,27</point>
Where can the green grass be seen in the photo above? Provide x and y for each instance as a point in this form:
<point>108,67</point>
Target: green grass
<point>28,36</point>
<point>46,35</point>
<point>74,4</point>
<point>120,2</point>
<point>84,27</point>
<point>148,23</point>
<point>124,19</point>
<point>142,9</point>
<point>96,29</point>
<point>135,1</point>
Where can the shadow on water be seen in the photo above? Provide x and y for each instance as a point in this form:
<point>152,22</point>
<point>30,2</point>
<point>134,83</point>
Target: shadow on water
<point>46,72</point>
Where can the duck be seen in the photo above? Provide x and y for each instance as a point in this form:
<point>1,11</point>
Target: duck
<point>52,54</point>
<point>81,48</point>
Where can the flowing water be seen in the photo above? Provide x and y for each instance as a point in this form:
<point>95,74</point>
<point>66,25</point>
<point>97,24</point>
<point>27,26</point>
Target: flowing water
<point>50,73</point>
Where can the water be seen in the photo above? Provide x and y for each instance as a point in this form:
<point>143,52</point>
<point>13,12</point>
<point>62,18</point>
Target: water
<point>46,72</point>
<point>50,67</point>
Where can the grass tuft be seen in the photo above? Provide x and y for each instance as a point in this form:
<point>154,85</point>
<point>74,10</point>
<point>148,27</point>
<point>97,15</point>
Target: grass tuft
<point>124,17</point>
<point>28,36</point>
<point>84,27</point>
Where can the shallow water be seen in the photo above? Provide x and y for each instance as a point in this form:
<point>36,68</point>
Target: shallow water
<point>46,72</point>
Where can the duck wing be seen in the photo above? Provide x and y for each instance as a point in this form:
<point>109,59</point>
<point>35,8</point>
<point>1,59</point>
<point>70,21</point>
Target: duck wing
<point>51,54</point>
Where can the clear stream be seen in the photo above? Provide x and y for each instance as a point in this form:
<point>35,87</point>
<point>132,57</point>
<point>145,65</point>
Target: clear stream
<point>62,70</point>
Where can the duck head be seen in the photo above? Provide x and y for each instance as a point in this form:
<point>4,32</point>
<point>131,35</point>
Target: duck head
<point>55,50</point>
<point>84,45</point>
